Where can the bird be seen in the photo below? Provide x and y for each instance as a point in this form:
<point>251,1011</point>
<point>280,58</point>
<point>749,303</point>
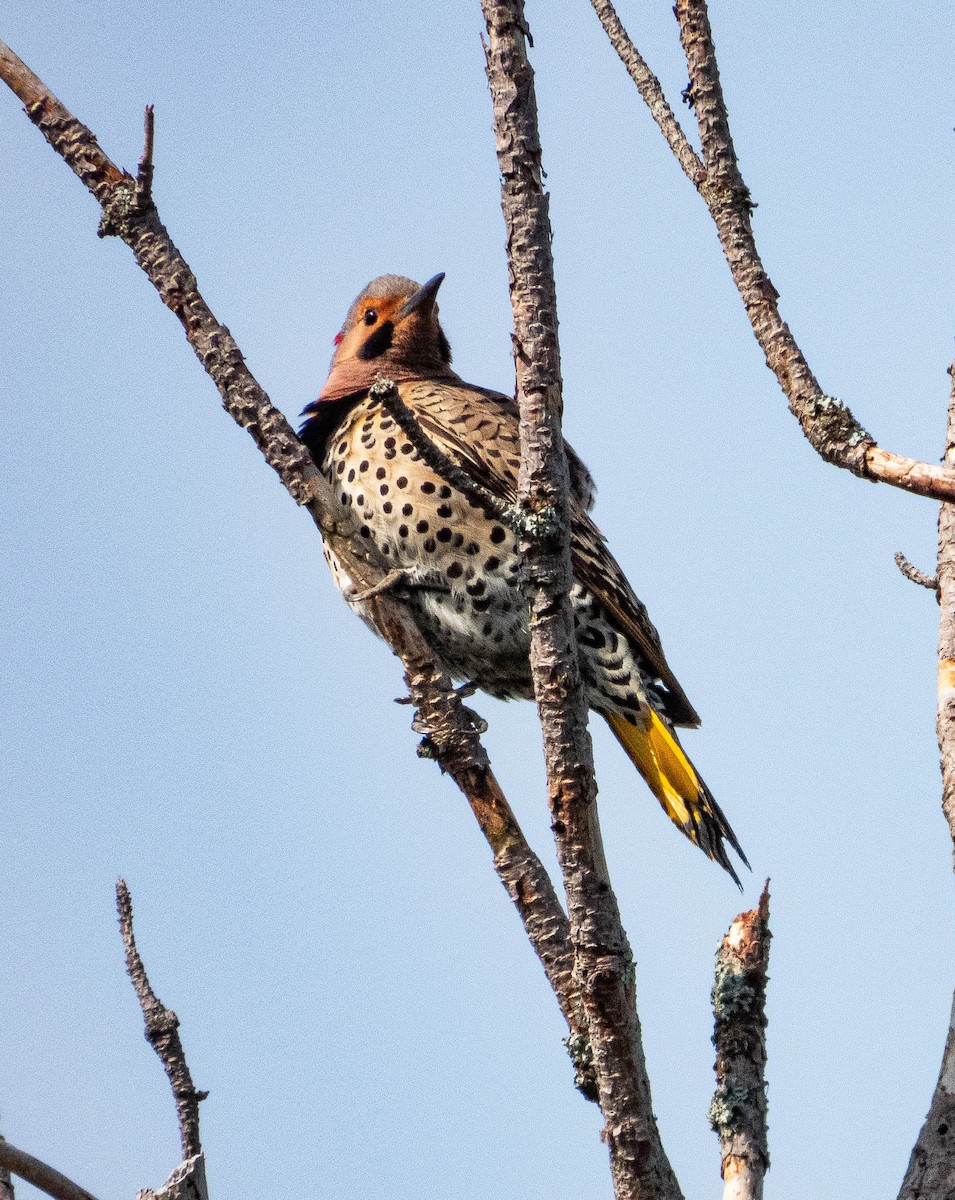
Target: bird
<point>460,564</point>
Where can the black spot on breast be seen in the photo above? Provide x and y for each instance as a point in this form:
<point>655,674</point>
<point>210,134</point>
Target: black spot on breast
<point>497,535</point>
<point>430,545</point>
<point>455,570</point>
<point>492,563</point>
<point>387,506</point>
<point>428,487</point>
<point>402,531</point>
<point>443,534</point>
<point>407,510</point>
<point>401,482</point>
<point>380,473</point>
<point>445,511</point>
<point>422,527</point>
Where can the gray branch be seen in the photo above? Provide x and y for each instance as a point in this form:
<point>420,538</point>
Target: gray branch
<point>162,1032</point>
<point>738,1111</point>
<point>603,963</point>
<point>42,1176</point>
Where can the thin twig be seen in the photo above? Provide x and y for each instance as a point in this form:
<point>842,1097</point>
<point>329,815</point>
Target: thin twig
<point>914,574</point>
<point>162,1032</point>
<point>738,1111</point>
<point>603,964</point>
<point>42,1176</point>
<point>651,91</point>
<point>931,1169</point>
<point>452,735</point>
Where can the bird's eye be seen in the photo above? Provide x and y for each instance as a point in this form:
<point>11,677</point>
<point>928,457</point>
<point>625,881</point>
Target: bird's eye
<point>371,316</point>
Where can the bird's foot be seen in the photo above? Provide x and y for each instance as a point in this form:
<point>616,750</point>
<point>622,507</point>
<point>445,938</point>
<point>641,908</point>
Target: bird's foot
<point>400,581</point>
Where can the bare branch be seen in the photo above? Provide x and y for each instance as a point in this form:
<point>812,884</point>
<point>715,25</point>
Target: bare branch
<point>162,1032</point>
<point>914,574</point>
<point>452,736</point>
<point>828,424</point>
<point>603,964</point>
<point>931,1170</point>
<point>44,1177</point>
<point>738,1111</point>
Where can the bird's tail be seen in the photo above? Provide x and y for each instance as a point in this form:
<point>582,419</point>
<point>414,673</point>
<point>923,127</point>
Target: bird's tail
<point>658,756</point>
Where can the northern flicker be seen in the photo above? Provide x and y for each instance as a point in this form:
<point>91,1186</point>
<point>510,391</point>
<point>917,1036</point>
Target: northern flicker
<point>463,565</point>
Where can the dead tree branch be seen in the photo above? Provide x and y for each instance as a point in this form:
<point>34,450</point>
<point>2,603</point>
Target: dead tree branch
<point>162,1032</point>
<point>738,1111</point>
<point>129,213</point>
<point>911,572</point>
<point>603,964</point>
<point>44,1177</point>
<point>931,1169</point>
<point>828,424</point>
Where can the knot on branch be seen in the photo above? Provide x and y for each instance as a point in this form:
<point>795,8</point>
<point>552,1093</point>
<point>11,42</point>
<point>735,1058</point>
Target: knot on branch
<point>582,1056</point>
<point>723,197</point>
<point>836,434</point>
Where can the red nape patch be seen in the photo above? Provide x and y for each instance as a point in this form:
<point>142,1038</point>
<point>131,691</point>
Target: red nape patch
<point>338,338</point>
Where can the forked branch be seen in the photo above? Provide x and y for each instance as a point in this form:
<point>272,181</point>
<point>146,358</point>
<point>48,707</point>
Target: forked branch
<point>828,424</point>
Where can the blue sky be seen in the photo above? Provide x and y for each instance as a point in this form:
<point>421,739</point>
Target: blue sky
<point>187,702</point>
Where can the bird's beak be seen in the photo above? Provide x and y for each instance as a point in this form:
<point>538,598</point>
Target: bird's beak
<point>423,297</point>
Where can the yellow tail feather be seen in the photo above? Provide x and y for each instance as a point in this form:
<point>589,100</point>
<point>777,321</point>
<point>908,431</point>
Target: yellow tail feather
<point>672,778</point>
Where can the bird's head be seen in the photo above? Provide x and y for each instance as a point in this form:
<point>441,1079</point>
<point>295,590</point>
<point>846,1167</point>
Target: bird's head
<point>391,330</point>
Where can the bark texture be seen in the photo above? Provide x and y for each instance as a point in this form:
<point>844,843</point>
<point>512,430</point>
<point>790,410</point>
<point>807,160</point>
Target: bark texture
<point>828,424</point>
<point>603,964</point>
<point>129,213</point>
<point>738,1111</point>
